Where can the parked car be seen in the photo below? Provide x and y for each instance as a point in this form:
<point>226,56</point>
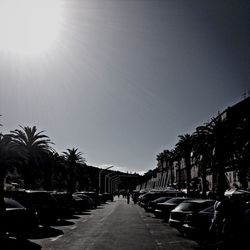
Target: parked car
<point>17,220</point>
<point>163,209</point>
<point>152,195</point>
<point>178,214</point>
<point>196,226</point>
<point>79,204</point>
<point>87,202</point>
<point>152,204</point>
<point>93,195</point>
<point>40,202</point>
<point>107,197</point>
<point>65,204</point>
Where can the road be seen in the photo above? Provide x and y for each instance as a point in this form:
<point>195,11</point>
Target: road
<point>115,225</point>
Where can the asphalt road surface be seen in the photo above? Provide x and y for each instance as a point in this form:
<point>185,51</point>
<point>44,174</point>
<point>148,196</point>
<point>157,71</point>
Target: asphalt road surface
<point>117,226</point>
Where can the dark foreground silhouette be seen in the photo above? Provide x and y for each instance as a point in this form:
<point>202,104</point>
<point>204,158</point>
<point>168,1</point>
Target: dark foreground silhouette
<point>8,243</point>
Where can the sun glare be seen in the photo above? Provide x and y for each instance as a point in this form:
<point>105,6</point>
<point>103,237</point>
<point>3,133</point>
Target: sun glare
<point>29,27</point>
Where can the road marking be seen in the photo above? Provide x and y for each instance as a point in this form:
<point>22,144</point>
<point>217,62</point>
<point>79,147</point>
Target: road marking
<point>56,238</point>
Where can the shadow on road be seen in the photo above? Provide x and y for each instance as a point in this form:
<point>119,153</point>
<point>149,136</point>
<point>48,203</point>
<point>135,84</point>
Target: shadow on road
<point>45,232</point>
<point>73,217</point>
<point>84,213</point>
<point>17,244</point>
<point>63,223</point>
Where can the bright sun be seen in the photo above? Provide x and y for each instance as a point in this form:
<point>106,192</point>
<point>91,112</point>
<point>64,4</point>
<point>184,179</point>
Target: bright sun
<point>29,27</point>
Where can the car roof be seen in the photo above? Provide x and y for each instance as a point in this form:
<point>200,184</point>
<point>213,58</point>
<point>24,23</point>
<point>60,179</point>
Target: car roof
<point>198,200</point>
<point>36,191</point>
<point>178,198</point>
<point>174,199</point>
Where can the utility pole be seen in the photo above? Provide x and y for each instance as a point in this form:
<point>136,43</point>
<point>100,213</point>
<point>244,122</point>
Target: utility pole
<point>100,177</point>
<point>106,189</point>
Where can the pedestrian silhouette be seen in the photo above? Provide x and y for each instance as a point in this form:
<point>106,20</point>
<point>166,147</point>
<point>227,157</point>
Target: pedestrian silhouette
<point>220,226</point>
<point>128,197</point>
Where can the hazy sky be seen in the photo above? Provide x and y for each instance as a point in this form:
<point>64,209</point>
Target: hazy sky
<point>123,78</point>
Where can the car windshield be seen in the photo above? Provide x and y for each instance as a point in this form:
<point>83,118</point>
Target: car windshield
<point>208,210</point>
<point>10,203</point>
<point>175,201</point>
<point>41,198</point>
<point>161,199</point>
<point>193,206</point>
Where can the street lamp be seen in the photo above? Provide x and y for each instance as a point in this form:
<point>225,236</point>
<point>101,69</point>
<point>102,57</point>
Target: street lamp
<point>105,185</point>
<point>100,173</point>
<point>111,179</point>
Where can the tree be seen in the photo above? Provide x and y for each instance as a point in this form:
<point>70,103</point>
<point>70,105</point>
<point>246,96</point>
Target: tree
<point>171,158</point>
<point>220,133</point>
<point>168,157</point>
<point>74,159</point>
<point>35,145</point>
<point>161,159</point>
<point>54,172</point>
<point>202,153</point>
<point>242,150</point>
<point>184,146</point>
<point>8,155</point>
<point>177,157</point>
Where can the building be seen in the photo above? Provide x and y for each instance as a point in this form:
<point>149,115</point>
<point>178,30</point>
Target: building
<point>171,172</point>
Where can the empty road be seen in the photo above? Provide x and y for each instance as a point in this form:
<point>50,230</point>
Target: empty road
<point>115,225</point>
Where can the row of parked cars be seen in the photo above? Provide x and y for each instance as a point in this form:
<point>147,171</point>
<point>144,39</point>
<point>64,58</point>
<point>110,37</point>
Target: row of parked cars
<point>28,210</point>
<point>191,217</point>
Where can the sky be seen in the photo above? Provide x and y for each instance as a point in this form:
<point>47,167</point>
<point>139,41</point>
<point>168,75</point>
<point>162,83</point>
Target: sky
<point>121,79</point>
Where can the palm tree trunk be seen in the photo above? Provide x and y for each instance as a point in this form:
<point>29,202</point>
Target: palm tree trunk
<point>2,206</point>
<point>188,174</point>
<point>171,173</point>
<point>71,181</point>
<point>179,170</point>
<point>204,180</point>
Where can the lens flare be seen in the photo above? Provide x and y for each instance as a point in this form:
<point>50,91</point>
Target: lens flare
<point>29,27</point>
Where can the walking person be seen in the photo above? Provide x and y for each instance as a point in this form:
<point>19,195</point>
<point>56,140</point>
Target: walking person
<point>220,226</point>
<point>128,197</point>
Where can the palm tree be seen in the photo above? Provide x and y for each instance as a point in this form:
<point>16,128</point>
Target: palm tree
<point>169,157</point>
<point>74,159</point>
<point>202,152</point>
<point>8,155</point>
<point>52,172</point>
<point>177,157</point>
<point>35,145</point>
<point>55,172</point>
<point>185,145</point>
<point>160,159</point>
<point>220,133</point>
<point>172,158</point>
<point>242,150</point>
